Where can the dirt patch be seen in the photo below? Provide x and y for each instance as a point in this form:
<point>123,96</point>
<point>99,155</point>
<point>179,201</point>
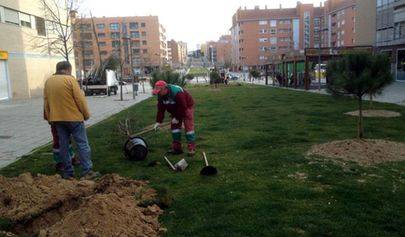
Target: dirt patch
<point>52,206</point>
<point>364,152</point>
<point>375,113</point>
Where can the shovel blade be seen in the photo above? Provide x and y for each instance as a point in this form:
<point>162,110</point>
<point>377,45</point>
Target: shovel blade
<point>208,171</point>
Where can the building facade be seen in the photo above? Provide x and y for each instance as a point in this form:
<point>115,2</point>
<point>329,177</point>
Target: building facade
<point>177,52</point>
<point>258,35</point>
<point>25,60</point>
<point>138,41</point>
<point>262,35</point>
<point>390,36</point>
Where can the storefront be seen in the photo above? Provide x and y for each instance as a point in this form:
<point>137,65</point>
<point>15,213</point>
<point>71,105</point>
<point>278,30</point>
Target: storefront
<point>4,78</point>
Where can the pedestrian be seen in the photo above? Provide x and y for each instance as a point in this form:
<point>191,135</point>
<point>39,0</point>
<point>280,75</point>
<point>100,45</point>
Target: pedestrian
<point>179,103</point>
<point>66,108</point>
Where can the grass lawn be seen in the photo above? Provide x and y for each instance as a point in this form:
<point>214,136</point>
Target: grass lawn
<point>198,71</point>
<point>257,137</point>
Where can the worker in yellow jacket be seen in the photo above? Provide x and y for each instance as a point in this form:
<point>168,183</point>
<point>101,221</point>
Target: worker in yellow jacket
<point>66,108</point>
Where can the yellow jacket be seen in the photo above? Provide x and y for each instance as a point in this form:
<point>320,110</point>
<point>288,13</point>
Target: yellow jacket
<point>64,100</point>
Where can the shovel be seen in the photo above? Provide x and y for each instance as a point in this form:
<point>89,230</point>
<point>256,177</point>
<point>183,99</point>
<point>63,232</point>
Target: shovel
<point>208,170</point>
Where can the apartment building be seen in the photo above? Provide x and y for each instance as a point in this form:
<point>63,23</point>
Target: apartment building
<point>348,23</point>
<point>262,35</point>
<point>390,36</point>
<point>25,60</point>
<point>177,52</point>
<point>219,53</point>
<point>138,41</point>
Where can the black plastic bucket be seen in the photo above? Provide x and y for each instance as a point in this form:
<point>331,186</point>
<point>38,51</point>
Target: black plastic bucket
<point>136,149</point>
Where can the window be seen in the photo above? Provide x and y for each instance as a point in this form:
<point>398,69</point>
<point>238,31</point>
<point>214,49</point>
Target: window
<point>136,51</point>
<point>143,34</point>
<point>136,43</point>
<point>115,44</point>
<point>143,24</point>
<point>144,42</point>
<point>262,31</point>
<point>40,25</point>
<point>101,35</point>
<point>273,40</point>
<point>133,25</point>
<point>102,44</point>
<point>25,20</point>
<point>273,48</point>
<point>88,52</point>
<point>103,52</point>
<point>86,36</point>
<point>101,26</point>
<point>262,48</point>
<point>273,31</point>
<point>115,35</point>
<point>88,44</point>
<point>114,26</point>
<point>262,58</point>
<point>145,51</point>
<point>262,22</point>
<point>88,62</point>
<point>135,34</point>
<point>273,23</point>
<point>263,40</point>
<point>11,16</point>
<point>284,31</point>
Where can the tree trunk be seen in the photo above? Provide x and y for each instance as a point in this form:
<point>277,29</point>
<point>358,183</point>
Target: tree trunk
<point>371,102</point>
<point>360,128</point>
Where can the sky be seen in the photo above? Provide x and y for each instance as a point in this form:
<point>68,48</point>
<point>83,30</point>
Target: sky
<point>191,21</point>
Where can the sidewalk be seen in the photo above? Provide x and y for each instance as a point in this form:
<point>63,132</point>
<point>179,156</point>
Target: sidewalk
<point>394,93</point>
<point>23,129</point>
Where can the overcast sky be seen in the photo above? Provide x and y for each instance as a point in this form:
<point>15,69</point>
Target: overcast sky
<point>192,21</point>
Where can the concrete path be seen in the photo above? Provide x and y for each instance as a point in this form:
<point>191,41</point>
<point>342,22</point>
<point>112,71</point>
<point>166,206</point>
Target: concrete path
<point>23,129</point>
<point>394,93</point>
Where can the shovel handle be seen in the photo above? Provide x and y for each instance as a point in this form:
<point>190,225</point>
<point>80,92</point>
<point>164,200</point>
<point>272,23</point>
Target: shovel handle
<point>171,166</point>
<point>205,159</point>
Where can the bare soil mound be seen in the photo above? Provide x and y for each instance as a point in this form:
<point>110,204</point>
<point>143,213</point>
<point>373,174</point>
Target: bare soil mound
<point>375,113</point>
<point>365,152</point>
<point>52,206</point>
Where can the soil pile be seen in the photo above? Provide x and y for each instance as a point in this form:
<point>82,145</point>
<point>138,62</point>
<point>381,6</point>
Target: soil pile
<point>365,152</point>
<point>375,113</point>
<point>52,206</point>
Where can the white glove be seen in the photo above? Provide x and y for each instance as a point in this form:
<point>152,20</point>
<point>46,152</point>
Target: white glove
<point>156,126</point>
<point>175,121</point>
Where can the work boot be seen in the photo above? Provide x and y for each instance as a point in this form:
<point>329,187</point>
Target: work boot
<point>91,175</point>
<point>191,153</point>
<point>59,167</point>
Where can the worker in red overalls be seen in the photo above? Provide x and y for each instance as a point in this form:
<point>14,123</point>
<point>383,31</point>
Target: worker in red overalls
<point>179,103</point>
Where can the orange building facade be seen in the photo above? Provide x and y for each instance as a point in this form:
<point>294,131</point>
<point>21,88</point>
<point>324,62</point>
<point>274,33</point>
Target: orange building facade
<point>177,51</point>
<point>140,38</point>
<point>262,35</point>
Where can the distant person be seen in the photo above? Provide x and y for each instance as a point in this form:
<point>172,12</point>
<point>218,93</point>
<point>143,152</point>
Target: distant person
<point>66,108</point>
<point>179,103</point>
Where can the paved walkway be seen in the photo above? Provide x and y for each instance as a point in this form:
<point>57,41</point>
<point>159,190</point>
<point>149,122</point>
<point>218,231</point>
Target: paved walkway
<point>23,129</point>
<point>394,93</point>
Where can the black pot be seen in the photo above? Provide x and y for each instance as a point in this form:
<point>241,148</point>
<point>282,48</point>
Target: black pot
<point>136,149</point>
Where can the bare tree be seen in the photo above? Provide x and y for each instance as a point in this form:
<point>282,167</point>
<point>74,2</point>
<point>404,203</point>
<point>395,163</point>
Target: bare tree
<point>59,26</point>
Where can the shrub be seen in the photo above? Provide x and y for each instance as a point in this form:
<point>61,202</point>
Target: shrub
<point>168,76</point>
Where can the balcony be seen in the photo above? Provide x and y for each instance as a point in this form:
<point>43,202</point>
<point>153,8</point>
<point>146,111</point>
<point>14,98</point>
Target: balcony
<point>399,4</point>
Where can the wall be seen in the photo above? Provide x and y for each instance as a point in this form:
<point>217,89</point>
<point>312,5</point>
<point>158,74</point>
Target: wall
<point>28,65</point>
